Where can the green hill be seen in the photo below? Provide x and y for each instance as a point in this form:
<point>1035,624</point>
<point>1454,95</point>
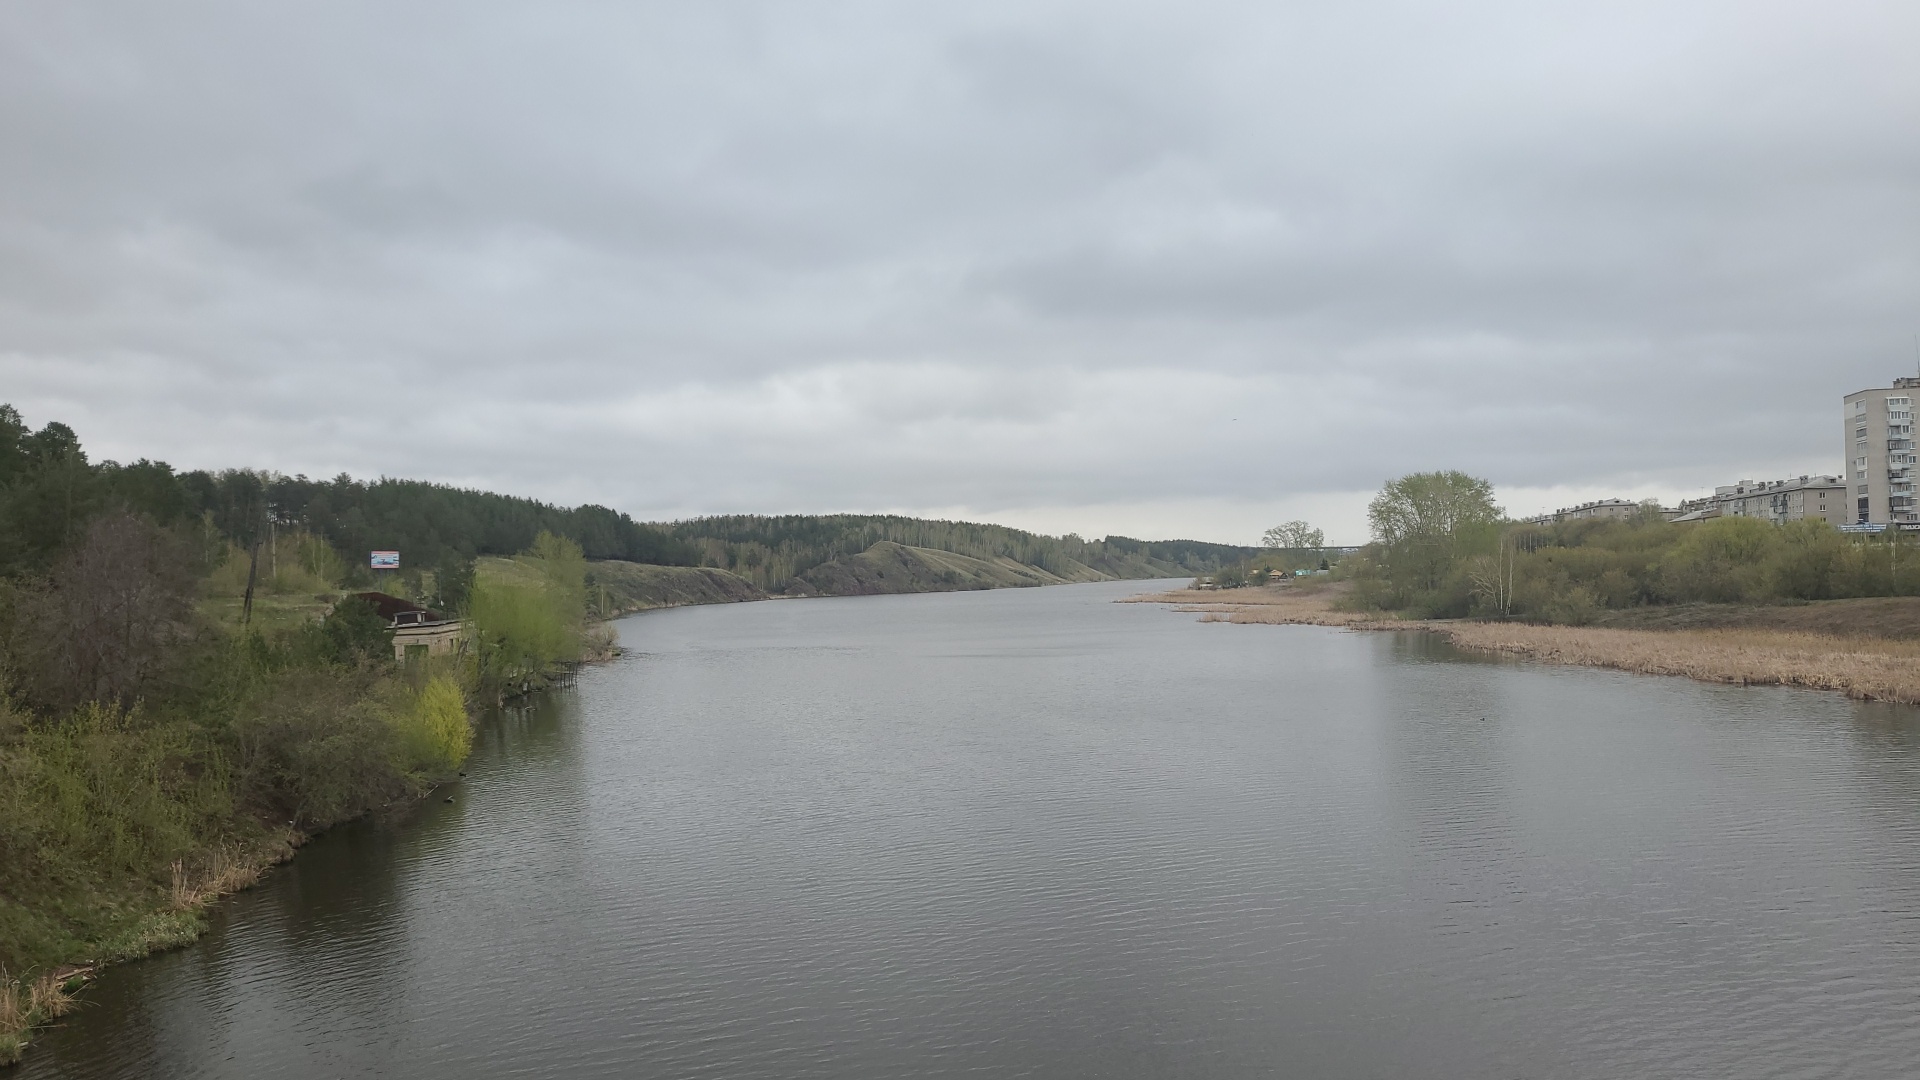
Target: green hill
<point>858,554</point>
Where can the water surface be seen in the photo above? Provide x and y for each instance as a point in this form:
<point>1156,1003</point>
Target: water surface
<point>1038,833</point>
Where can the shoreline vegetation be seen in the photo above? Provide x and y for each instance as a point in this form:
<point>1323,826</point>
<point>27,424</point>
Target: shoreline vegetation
<point>1748,645</point>
<point>189,688</point>
<point>1728,599</point>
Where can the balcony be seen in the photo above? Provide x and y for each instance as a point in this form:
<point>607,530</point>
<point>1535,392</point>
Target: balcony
<point>1899,444</point>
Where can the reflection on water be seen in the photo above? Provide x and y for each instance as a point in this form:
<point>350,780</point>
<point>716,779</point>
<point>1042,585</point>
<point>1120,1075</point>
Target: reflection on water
<point>1037,833</point>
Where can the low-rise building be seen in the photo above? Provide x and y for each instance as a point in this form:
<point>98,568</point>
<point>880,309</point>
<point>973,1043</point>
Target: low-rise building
<point>417,631</point>
<point>1778,501</point>
<point>1781,501</point>
<point>1601,509</point>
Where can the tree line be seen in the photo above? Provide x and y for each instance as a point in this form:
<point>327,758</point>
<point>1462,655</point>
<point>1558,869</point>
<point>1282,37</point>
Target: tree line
<point>774,552</point>
<point>1442,548</point>
<point>152,743</point>
<point>49,490</point>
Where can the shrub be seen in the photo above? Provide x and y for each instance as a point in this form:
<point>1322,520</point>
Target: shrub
<point>1721,560</point>
<point>435,734</point>
<point>317,745</point>
<point>1808,560</point>
<point>352,633</point>
<point>518,631</point>
<point>96,799</point>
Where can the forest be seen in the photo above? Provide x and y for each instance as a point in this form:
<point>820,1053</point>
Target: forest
<point>774,552</point>
<point>189,685</point>
<point>176,713</point>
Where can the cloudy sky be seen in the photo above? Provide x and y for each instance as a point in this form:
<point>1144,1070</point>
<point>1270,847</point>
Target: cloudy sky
<point>1170,269</point>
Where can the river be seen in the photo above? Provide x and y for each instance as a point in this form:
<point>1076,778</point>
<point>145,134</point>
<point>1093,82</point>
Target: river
<point>1038,833</point>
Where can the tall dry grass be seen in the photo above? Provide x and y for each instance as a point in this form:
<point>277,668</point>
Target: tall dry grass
<point>1868,668</point>
<point>22,1008</point>
<point>1313,606</point>
<point>224,872</point>
<point>14,1021</point>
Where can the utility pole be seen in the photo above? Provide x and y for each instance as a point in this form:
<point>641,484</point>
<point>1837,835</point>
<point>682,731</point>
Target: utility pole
<point>253,570</point>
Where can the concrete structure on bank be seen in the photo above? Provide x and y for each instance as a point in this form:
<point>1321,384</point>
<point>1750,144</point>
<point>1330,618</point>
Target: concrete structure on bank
<point>1880,454</point>
<point>417,631</point>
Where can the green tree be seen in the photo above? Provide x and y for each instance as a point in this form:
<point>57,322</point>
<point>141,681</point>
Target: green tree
<point>1426,522</point>
<point>1807,560</point>
<point>1296,535</point>
<point>453,582</point>
<point>1722,561</point>
<point>353,633</point>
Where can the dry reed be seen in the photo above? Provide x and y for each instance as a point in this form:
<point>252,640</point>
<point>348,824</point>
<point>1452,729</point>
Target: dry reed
<point>226,873</point>
<point>14,1019</point>
<point>1858,667</point>
<point>49,998</point>
<point>1868,668</point>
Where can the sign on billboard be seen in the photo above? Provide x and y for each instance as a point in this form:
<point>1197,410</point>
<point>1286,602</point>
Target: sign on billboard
<point>386,560</point>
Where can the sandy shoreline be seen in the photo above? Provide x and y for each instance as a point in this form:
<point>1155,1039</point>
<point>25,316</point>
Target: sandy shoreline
<point>1875,669</point>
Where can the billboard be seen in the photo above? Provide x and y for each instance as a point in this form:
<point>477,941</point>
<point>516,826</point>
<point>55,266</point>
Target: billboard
<point>385,560</point>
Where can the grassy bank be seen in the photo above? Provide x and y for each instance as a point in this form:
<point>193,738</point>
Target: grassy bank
<point>145,922</point>
<point>123,815</point>
<point>1816,646</point>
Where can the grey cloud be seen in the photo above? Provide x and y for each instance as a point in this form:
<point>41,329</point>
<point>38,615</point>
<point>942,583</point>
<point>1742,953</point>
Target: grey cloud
<point>1032,256</point>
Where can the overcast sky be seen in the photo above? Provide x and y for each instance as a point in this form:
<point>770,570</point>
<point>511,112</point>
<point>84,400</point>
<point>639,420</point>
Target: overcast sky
<point>1177,269</point>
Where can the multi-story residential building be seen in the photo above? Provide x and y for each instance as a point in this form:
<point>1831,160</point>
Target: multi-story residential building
<point>1778,501</point>
<point>1880,454</point>
<point>1781,501</point>
<point>1607,509</point>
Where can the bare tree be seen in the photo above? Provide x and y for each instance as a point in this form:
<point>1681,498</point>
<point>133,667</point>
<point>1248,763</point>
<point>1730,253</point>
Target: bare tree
<point>100,628</point>
<point>1493,576</point>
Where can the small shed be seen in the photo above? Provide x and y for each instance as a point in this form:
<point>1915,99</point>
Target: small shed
<point>417,631</point>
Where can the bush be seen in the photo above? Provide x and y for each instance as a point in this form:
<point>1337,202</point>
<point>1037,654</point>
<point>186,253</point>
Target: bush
<point>352,633</point>
<point>435,734</point>
<point>318,746</point>
<point>1808,559</point>
<point>519,631</point>
<point>1723,560</point>
<point>90,803</point>
<point>524,630</point>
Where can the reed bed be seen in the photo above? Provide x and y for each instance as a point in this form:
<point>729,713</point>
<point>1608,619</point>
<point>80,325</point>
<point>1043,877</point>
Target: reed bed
<point>225,872</point>
<point>24,1006</point>
<point>1876,669</point>
<point>1867,668</point>
<point>1265,605</point>
<point>15,1020</point>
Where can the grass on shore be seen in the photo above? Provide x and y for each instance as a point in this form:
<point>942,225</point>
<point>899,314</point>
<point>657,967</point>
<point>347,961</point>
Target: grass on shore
<point>1761,653</point>
<point>176,919</point>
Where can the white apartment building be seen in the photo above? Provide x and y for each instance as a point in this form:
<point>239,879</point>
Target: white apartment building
<point>1880,454</point>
